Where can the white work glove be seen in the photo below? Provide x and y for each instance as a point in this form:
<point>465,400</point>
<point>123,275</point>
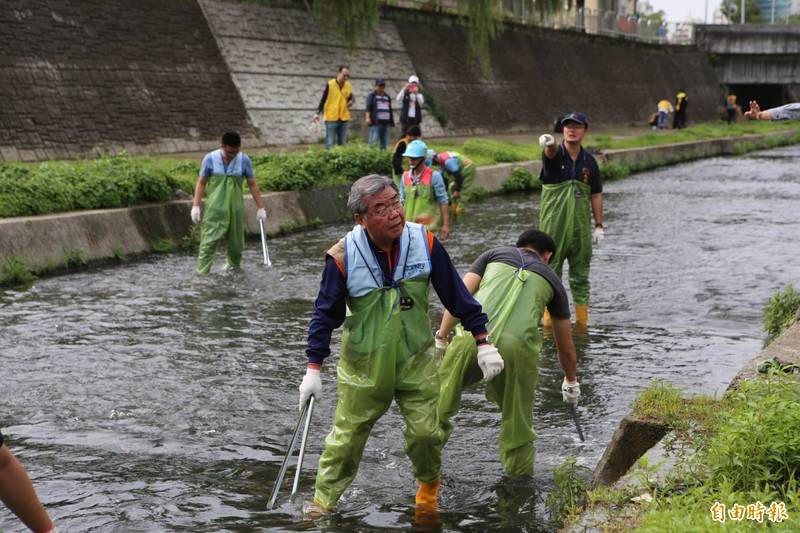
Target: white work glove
<point>546,140</point>
<point>261,214</point>
<point>441,342</point>
<point>310,386</point>
<point>598,235</point>
<point>195,214</point>
<point>490,361</point>
<point>570,391</point>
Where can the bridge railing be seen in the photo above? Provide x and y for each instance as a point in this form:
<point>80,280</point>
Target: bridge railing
<point>593,21</point>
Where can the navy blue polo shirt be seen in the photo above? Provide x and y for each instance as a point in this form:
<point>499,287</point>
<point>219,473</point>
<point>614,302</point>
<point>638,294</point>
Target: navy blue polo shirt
<point>562,168</point>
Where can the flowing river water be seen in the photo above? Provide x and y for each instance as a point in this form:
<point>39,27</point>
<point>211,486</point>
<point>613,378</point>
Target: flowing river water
<point>140,401</point>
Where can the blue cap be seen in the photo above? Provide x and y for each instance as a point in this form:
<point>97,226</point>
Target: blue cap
<point>380,81</point>
<point>575,116</point>
<point>416,149</point>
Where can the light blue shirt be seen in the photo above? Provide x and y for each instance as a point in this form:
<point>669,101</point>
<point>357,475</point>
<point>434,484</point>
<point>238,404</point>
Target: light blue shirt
<point>207,167</point>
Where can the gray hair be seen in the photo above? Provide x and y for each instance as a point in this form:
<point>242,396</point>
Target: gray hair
<point>365,187</point>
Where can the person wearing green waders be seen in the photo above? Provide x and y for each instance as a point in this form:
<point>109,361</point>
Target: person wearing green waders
<point>572,192</point>
<point>222,173</point>
<point>376,283</point>
<point>460,167</point>
<point>423,192</point>
<point>514,286</point>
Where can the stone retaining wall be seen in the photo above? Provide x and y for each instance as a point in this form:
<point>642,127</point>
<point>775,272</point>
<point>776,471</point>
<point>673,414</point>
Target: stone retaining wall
<point>79,78</point>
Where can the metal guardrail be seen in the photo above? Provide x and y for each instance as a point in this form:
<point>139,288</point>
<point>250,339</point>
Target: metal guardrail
<point>585,20</point>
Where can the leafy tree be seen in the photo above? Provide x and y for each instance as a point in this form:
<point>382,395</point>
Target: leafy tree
<point>353,19</point>
<point>484,21</point>
<point>732,10</point>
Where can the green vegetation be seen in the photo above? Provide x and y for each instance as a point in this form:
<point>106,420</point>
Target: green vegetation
<point>780,312</point>
<point>123,180</point>
<point>74,258</point>
<point>191,242</point>
<point>314,167</point>
<point>570,482</point>
<point>488,151</point>
<point>744,450</point>
<point>698,132</point>
<point>14,272</point>
<point>294,226</point>
<point>484,22</point>
<point>432,106</point>
<point>521,179</point>
<point>119,255</point>
<point>57,186</point>
<point>162,246</point>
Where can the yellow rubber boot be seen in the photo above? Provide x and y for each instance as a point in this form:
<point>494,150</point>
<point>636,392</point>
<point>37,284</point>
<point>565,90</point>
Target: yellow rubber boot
<point>546,320</point>
<point>581,314</point>
<point>428,494</point>
<point>314,509</point>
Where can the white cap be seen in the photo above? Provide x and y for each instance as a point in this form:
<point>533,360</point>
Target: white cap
<point>413,79</point>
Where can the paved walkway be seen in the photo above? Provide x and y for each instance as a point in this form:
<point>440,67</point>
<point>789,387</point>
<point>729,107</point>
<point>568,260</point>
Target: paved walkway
<point>529,137</point>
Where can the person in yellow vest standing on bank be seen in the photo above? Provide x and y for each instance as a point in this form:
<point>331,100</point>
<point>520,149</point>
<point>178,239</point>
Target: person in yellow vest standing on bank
<point>335,107</point>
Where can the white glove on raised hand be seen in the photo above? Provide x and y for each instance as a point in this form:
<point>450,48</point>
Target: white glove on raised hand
<point>598,235</point>
<point>490,361</point>
<point>546,140</point>
<point>310,386</point>
<point>261,214</point>
<point>570,391</point>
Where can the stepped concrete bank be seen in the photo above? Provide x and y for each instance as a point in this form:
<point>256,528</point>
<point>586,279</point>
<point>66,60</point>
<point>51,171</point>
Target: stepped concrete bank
<point>636,438</point>
<point>54,242</point>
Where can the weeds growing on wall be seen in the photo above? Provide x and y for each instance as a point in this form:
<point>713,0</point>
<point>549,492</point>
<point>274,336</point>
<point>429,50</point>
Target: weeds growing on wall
<point>432,106</point>
<point>162,246</point>
<point>521,179</point>
<point>14,272</point>
<point>780,312</point>
<point>294,226</point>
<point>74,258</point>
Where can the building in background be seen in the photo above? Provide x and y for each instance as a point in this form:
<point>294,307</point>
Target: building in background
<point>782,9</point>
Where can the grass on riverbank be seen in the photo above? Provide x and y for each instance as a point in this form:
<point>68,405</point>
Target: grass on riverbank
<point>120,181</point>
<point>780,312</point>
<point>745,453</point>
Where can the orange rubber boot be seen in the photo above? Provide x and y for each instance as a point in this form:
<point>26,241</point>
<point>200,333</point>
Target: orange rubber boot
<point>581,314</point>
<point>426,514</point>
<point>428,494</point>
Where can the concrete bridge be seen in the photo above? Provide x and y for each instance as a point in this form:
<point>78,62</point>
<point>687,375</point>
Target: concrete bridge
<point>755,61</point>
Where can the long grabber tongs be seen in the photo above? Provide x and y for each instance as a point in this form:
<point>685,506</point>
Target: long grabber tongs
<point>305,415</point>
<point>264,248</point>
<point>573,411</point>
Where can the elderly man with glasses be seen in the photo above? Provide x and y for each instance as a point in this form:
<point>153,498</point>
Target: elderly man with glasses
<point>380,271</point>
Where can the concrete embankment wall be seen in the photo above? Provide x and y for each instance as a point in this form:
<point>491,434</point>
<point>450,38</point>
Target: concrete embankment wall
<point>51,242</point>
<point>111,75</point>
<point>147,76</point>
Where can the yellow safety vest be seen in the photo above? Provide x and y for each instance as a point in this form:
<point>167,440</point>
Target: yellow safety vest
<point>336,107</point>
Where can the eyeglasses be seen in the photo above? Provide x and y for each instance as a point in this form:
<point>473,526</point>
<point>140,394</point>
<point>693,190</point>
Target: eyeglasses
<point>382,210</point>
